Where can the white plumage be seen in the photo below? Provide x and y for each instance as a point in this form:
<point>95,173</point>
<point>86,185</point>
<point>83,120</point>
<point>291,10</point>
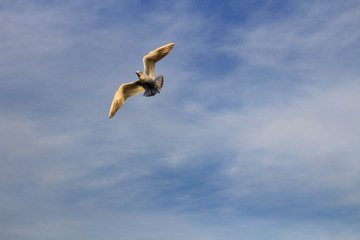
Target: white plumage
<point>146,81</point>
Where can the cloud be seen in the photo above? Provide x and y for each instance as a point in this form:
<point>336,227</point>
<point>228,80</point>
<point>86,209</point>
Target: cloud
<point>254,134</point>
<point>24,146</point>
<point>308,41</point>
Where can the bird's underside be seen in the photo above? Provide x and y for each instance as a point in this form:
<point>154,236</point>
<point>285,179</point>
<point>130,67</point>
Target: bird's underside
<point>146,82</point>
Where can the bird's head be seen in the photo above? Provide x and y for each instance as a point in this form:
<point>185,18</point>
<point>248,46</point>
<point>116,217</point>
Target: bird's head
<point>139,73</point>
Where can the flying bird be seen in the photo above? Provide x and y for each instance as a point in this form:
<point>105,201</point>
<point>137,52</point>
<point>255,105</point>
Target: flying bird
<point>146,82</point>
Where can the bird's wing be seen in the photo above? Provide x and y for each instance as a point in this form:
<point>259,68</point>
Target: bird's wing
<point>152,57</point>
<point>125,90</point>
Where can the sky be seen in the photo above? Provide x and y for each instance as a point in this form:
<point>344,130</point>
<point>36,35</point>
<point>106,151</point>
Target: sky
<point>255,134</point>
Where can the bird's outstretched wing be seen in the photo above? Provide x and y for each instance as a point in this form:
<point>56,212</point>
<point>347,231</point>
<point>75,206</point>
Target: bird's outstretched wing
<point>125,90</point>
<point>152,57</point>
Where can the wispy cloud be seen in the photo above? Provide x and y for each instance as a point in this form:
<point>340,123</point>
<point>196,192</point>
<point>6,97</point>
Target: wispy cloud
<point>314,41</point>
<point>254,134</point>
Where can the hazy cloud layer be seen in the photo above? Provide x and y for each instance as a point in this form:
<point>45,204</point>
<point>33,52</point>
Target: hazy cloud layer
<point>255,133</point>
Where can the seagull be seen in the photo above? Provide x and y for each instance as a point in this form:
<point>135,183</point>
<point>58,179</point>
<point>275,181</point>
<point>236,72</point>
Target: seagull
<point>146,82</point>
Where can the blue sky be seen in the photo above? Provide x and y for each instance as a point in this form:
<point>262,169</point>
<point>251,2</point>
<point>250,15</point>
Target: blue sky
<point>255,134</point>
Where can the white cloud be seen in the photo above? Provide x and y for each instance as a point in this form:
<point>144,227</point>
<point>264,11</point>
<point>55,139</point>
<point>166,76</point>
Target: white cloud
<point>28,151</point>
<point>309,42</point>
<point>322,123</point>
<point>285,141</point>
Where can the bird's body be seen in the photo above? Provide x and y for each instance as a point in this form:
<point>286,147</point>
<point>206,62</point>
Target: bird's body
<point>146,83</point>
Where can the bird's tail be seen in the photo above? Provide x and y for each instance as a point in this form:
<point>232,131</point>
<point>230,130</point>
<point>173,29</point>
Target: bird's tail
<point>159,82</point>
